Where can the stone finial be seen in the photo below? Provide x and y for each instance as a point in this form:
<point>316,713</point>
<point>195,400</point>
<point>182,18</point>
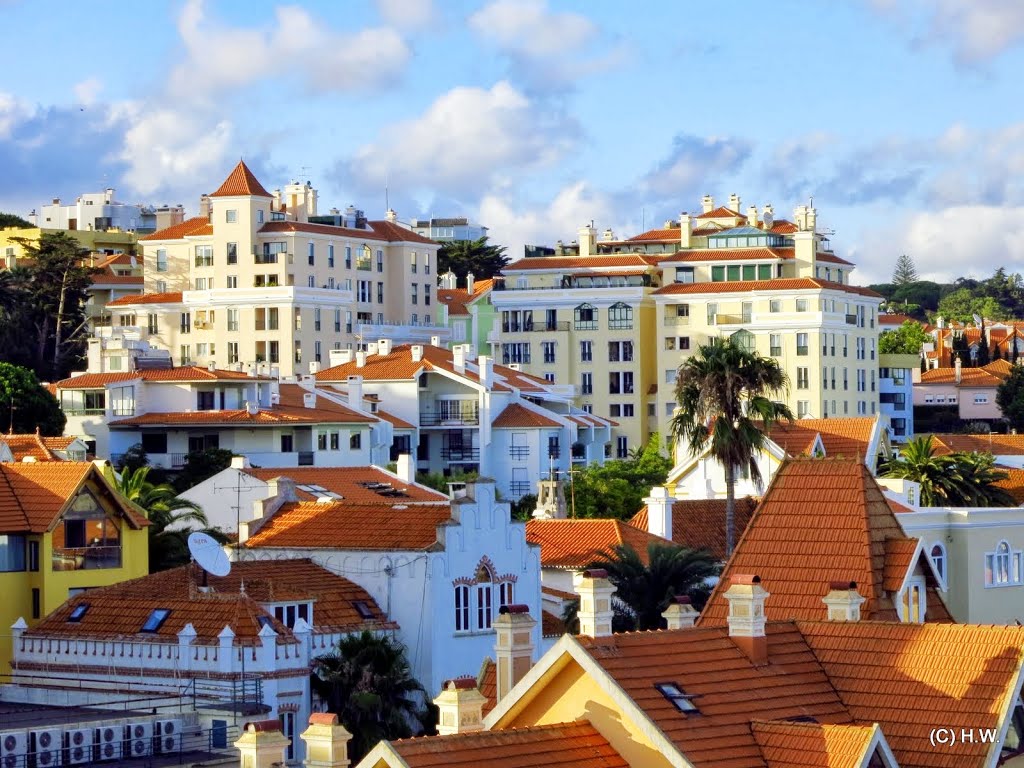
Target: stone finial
<point>513,649</point>
<point>680,613</point>
<point>595,612</point>
<point>460,707</point>
<point>326,742</point>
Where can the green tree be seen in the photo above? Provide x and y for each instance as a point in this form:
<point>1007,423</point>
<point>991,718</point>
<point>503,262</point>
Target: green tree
<point>200,465</point>
<point>33,404</point>
<point>904,272</point>
<point>368,683</point>
<point>617,488</point>
<point>984,353</point>
<point>923,292</point>
<point>1010,398</point>
<point>958,479</point>
<point>476,256</point>
<point>979,477</point>
<point>963,304</point>
<point>648,589</point>
<point>907,339</point>
<point>13,220</point>
<point>724,395</point>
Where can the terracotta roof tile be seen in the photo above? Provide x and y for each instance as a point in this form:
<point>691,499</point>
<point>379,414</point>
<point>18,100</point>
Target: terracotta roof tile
<point>1014,484</point>
<point>700,523</point>
<point>720,212</point>
<point>893,319</point>
<point>377,231</point>
<point>899,557</point>
<point>194,227</point>
<point>991,375</point>
<point>582,262</point>
<point>576,543</point>
<point>146,298</point>
<point>487,683</point>
<point>517,416</point>
<point>28,446</point>
<point>241,181</point>
<point>350,483</point>
<point>551,625</point>
<point>821,520</point>
<point>672,234</point>
<point>841,436</point>
<point>458,299</point>
<point>178,374</point>
<point>564,745</point>
<point>777,284</point>
<point>396,422</point>
<point>812,745</point>
<point>997,445</point>
<point>831,258</point>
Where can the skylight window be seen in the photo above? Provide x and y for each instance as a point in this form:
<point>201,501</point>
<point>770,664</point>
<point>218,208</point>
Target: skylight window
<point>680,700</point>
<point>319,491</point>
<point>363,609</point>
<point>79,612</point>
<point>156,619</point>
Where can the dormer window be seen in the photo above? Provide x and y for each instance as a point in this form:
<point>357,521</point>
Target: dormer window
<point>156,619</point>
<point>679,699</point>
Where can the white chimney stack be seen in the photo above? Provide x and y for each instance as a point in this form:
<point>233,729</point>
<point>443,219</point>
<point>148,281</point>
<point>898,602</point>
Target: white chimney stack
<point>685,230</point>
<point>309,399</point>
<point>513,648</point>
<point>486,365</point>
<point>435,341</point>
<point>355,391</point>
<point>707,204</point>
<point>360,359</point>
<point>384,347</point>
<point>957,372</point>
<point>659,512</point>
<point>405,468</point>
<point>460,707</point>
<point>680,613</point>
<point>843,601</point>
<point>595,611</point>
<point>459,358</point>
<point>734,202</point>
<point>746,619</point>
<point>417,352</point>
<point>470,282</point>
<point>752,216</point>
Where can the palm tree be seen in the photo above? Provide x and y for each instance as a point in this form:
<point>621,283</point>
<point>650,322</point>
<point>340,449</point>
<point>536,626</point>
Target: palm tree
<point>724,395</point>
<point>160,503</point>
<point>940,483</point>
<point>648,589</point>
<point>368,683</point>
<point>980,476</point>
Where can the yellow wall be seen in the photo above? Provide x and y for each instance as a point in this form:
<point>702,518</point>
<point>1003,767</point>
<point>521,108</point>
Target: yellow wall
<point>572,695</point>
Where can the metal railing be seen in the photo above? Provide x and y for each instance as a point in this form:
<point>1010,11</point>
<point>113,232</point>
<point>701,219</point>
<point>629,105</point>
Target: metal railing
<point>460,454</point>
<point>519,487</point>
<point>519,451</point>
<point>449,417</point>
<point>677,319</point>
<point>86,558</point>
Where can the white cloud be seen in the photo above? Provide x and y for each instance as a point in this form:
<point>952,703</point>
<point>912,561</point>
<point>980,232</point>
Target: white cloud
<point>12,111</point>
<point>692,161</point>
<point>467,141</point>
<point>406,14</point>
<point>87,91</point>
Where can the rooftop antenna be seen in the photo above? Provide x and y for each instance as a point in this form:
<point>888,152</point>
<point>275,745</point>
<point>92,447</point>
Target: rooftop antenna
<point>209,556</point>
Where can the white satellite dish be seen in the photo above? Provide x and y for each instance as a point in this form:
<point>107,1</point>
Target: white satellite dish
<point>207,552</point>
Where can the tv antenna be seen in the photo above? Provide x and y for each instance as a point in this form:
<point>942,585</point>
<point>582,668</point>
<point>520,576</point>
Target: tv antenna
<point>209,556</point>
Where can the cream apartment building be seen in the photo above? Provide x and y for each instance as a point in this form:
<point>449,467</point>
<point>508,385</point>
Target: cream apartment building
<point>770,285</point>
<point>260,277</point>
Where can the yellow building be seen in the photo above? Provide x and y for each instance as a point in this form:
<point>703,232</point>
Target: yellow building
<point>99,242</point>
<point>63,530</point>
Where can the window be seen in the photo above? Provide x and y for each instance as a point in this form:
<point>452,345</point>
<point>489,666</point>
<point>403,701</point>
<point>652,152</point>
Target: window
<point>803,408</point>
<point>621,447</point>
<point>185,322</point>
<point>156,619</point>
<point>380,294</point>
<point>232,253</point>
<point>12,553</point>
<point>153,323</point>
<point>232,319</point>
<point>200,284</point>
<point>231,217</point>
<point>483,590</point>
<point>712,314</point>
<point>161,260</point>
<point>628,410</point>
<point>506,594</point>
<point>620,383</point>
<point>348,257</point>
<point>1003,566</point>
<point>81,402</point>
<point>775,305</point>
<point>259,216</point>
<point>744,340</point>
<point>232,281</point>
<point>620,316</point>
<point>232,351</point>
<point>426,293</point>
<point>380,260</point>
<point>775,342</point>
<point>980,399</point>
<point>670,375</point>
<point>33,553</point>
<point>548,347</point>
<point>311,254</point>
<point>412,262</point>
<point>37,602</point>
<point>364,258</point>
<point>620,351</point>
<point>802,378</point>
<point>586,383</point>
<point>204,255</point>
<point>122,401</point>
<point>298,351</point>
<point>355,440</point>
<point>675,695</point>
<point>462,608</point>
<point>586,351</point>
<point>161,286</point>
<point>364,292</point>
<point>206,401</point>
<point>78,613</point>
<point>801,305</point>
<point>517,352</point>
<point>330,255</point>
<point>415,293</point>
<point>801,344</point>
<point>426,263</point>
<point>335,440</point>
<point>938,554</point>
<point>585,316</point>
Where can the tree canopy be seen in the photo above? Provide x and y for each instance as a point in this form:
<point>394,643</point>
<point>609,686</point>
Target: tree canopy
<point>34,405</point>
<point>1010,398</point>
<point>14,220</point>
<point>618,488</point>
<point>904,272</point>
<point>963,304</point>
<point>477,256</point>
<point>958,479</point>
<point>904,340</point>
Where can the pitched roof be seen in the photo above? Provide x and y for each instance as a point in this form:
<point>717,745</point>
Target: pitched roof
<point>563,745</point>
<point>776,284</point>
<point>396,422</point>
<point>997,445</point>
<point>582,262</point>
<point>720,212</point>
<point>173,297</point>
<point>377,230</point>
<point>700,523</point>
<point>120,610</point>
<point>33,494</point>
<point>487,683</point>
<point>458,299</point>
<point>518,416</point>
<point>821,521</point>
<point>182,373</point>
<point>831,258</point>
<point>991,375</point>
<point>658,235</point>
<point>345,525</point>
<point>1013,484</point>
<point>812,745</point>
<point>842,436</point>
<point>352,483</point>
<point>31,446</point>
<point>576,543</point>
<point>194,227</point>
<point>241,181</point>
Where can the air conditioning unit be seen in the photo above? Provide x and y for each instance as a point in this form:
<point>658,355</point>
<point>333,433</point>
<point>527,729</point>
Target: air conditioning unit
<point>109,739</point>
<point>138,739</point>
<point>13,748</point>
<point>44,747</point>
<point>168,737</point>
<point>78,744</point>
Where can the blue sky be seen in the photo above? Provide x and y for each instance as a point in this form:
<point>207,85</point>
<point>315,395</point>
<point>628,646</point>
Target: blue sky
<point>902,118</point>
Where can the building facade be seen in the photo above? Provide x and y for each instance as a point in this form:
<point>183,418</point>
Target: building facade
<point>446,230</point>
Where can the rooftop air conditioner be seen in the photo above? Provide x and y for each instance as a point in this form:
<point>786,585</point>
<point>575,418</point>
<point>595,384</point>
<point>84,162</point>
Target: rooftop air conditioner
<point>108,742</point>
<point>13,749</point>
<point>138,739</point>
<point>168,736</point>
<point>44,746</point>
<point>78,745</point>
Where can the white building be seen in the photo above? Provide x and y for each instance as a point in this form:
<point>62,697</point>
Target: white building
<point>446,230</point>
<point>99,211</point>
<point>442,572</point>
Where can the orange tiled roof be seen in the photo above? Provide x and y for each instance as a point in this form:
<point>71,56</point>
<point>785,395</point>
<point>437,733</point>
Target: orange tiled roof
<point>28,446</point>
<point>729,254</point>
<point>582,262</point>
<point>673,234</point>
<point>551,625</point>
<point>812,745</point>
<point>345,525</point>
<point>991,375</point>
<point>120,610</point>
<point>173,297</point>
<point>178,374</point>
<point>831,258</point>
<point>848,436</point>
<point>821,521</point>
<point>776,284</point>
<point>110,279</point>
<point>563,745</point>
<point>1014,484</point>
<point>396,422</point>
<point>516,416</point>
<point>458,299</point>
<point>378,230</point>
<point>576,543</point>
<point>793,437</point>
<point>892,319</point>
<point>700,523</point>
<point>997,445</point>
<point>241,181</point>
<point>487,683</point>
<point>347,482</point>
<point>720,212</point>
<point>194,227</point>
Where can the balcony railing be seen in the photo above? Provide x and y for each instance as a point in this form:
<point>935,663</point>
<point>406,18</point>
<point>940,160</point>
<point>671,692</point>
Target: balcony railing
<point>265,258</point>
<point>86,558</point>
<point>677,319</point>
<point>554,452</point>
<point>430,418</point>
<point>519,487</point>
<point>305,458</point>
<point>722,319</point>
<point>460,454</point>
<point>519,451</point>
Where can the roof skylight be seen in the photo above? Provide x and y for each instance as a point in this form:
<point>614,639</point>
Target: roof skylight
<point>79,612</point>
<point>680,700</point>
<point>156,619</point>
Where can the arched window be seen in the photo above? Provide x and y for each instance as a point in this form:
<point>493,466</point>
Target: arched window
<point>620,316</point>
<point>744,340</point>
<point>1003,566</point>
<point>484,589</point>
<point>585,316</point>
<point>506,594</point>
<point>938,554</point>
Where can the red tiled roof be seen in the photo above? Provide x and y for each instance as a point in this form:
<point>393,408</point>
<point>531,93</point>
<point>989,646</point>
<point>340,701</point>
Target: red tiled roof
<point>991,375</point>
<point>173,297</point>
<point>720,213</point>
<point>700,523</point>
<point>487,683</point>
<point>28,446</point>
<point>848,436</point>
<point>379,230</point>
<point>576,543</point>
<point>348,483</point>
<point>674,234</point>
<point>582,262</point>
<point>1014,484</point>
<point>194,227</point>
<point>831,258</point>
<point>776,284</point>
<point>893,319</point>
<point>241,181</point>
<point>458,299</point>
<point>812,745</point>
<point>109,279</point>
<point>997,445</point>
<point>518,416</point>
<point>177,374</point>
<point>396,233</point>
<point>563,745</point>
<point>396,422</point>
<point>551,625</point>
<point>799,549</point>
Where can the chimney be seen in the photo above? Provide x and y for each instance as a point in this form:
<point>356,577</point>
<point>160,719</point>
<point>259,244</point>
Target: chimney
<point>460,707</point>
<point>204,206</point>
<point>768,216</point>
<point>685,230</point>
<point>360,359</point>
<point>843,601</point>
<point>355,391</point>
<point>391,215</point>
<point>384,346</point>
<point>314,367</point>
<point>211,366</point>
<point>746,617</point>
<point>405,469</point>
<point>326,742</point>
<point>459,358</point>
<point>608,236</point>
<point>734,202</point>
<point>588,241</point>
<point>252,407</point>
<point>309,399</point>
<point>262,744</point>
<point>239,462</point>
<point>513,647</point>
<point>957,366</point>
<point>659,512</point>
<point>680,613</point>
<point>752,216</point>
<point>371,348</point>
<point>595,613</point>
<point>470,282</point>
<point>281,489</point>
<point>707,204</point>
<point>435,341</point>
<point>417,352</point>
<point>800,217</point>
<point>486,366</point>
<point>448,280</point>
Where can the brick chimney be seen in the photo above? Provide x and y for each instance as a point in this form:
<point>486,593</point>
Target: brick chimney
<point>460,707</point>
<point>843,601</point>
<point>595,613</point>
<point>746,599</point>
<point>659,512</point>
<point>680,613</point>
<point>326,742</point>
<point>513,647</point>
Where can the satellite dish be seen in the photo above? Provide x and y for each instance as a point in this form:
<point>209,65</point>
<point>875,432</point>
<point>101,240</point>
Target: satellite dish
<point>208,554</point>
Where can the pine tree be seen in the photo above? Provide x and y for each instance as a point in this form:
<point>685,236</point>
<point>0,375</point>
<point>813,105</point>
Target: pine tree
<point>984,356</point>
<point>996,353</point>
<point>904,272</point>
<point>1014,353</point>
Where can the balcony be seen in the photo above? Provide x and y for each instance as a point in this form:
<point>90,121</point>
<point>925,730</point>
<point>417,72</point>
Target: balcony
<point>453,416</point>
<point>519,488</point>
<point>459,454</point>
<point>86,558</point>
<point>722,319</point>
<point>519,451</point>
<point>677,320</point>
<point>531,327</point>
<point>167,460</point>
<point>266,258</point>
<point>305,458</point>
<point>554,452</point>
